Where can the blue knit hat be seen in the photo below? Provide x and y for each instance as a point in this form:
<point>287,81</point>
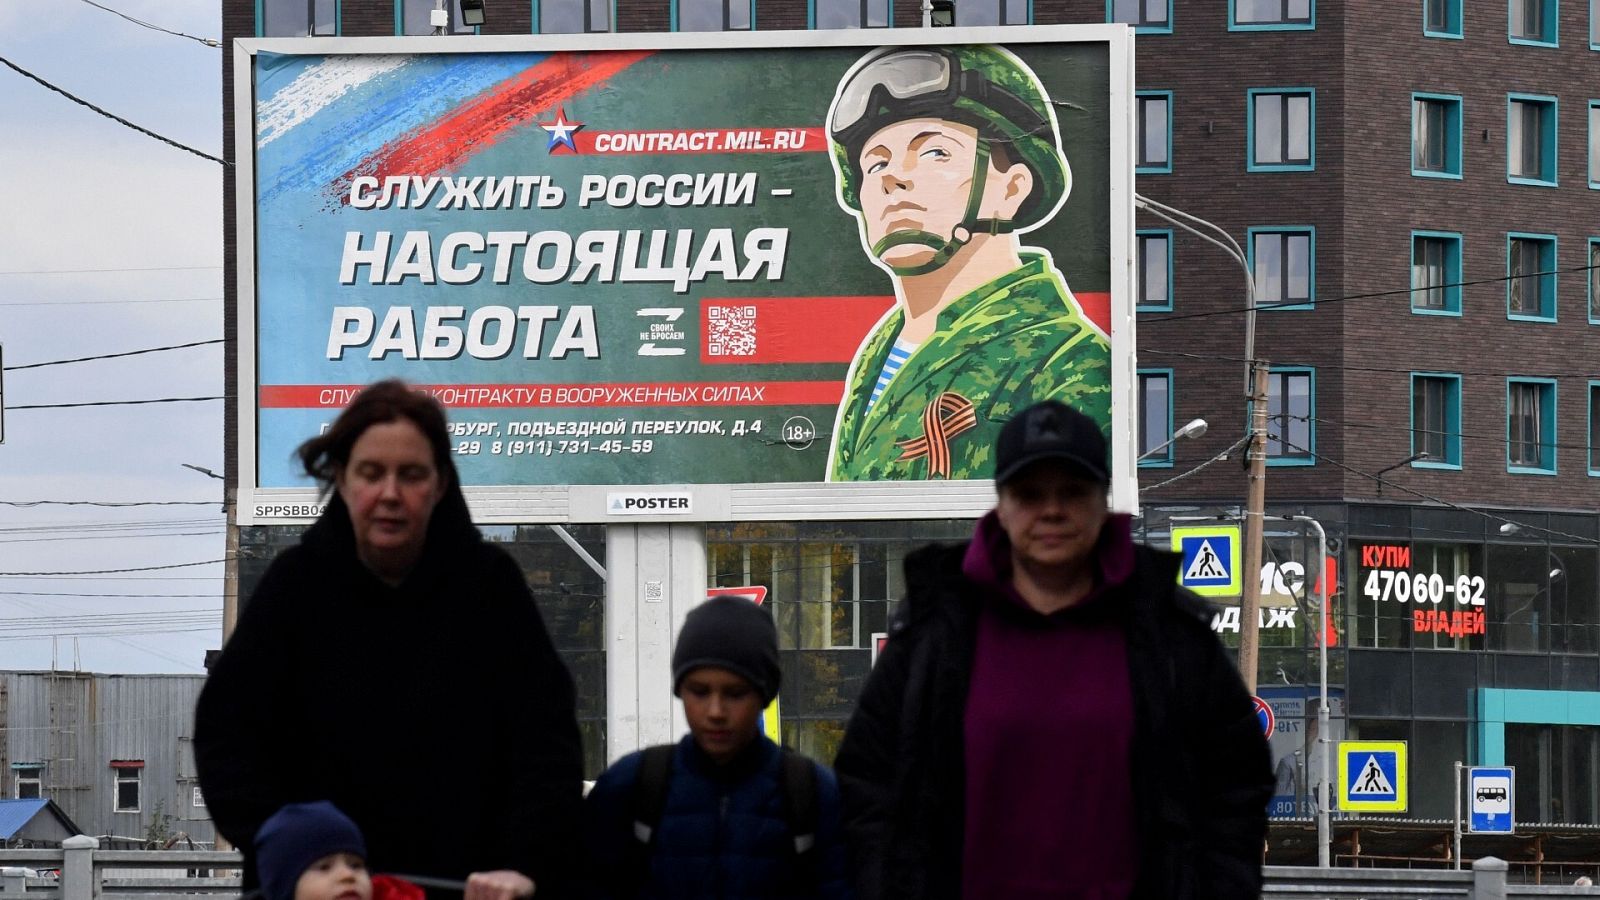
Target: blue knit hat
<point>298,835</point>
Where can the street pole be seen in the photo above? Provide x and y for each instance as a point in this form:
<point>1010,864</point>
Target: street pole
<point>1324,825</point>
<point>1254,519</point>
<point>1456,815</point>
<point>927,13</point>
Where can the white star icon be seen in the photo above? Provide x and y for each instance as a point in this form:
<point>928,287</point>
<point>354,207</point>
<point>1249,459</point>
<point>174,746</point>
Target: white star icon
<point>561,131</point>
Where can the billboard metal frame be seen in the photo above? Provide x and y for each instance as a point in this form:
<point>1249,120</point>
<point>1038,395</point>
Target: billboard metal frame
<point>787,501</point>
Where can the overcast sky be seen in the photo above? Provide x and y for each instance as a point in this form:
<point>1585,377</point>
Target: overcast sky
<point>84,193</point>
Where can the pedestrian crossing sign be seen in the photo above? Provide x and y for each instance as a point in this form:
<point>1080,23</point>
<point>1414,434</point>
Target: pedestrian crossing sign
<point>1372,776</point>
<point>1210,565</point>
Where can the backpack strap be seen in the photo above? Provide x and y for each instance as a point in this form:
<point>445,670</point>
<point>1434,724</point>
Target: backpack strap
<point>797,781</point>
<point>649,802</point>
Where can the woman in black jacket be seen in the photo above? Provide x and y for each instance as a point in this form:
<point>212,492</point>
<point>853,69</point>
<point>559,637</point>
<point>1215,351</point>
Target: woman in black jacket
<point>395,664</point>
<point>1051,716</point>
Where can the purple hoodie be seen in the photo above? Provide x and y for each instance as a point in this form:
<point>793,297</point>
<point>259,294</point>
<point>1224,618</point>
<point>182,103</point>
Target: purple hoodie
<point>1049,726</point>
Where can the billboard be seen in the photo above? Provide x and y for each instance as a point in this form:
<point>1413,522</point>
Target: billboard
<point>644,261</point>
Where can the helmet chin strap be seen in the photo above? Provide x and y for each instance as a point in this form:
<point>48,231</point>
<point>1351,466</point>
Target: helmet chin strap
<point>945,248</point>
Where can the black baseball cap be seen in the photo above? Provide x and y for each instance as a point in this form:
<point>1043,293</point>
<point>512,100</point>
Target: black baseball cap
<point>1051,430</point>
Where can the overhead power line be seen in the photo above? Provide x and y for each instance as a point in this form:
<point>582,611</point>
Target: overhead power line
<point>1157,318</point>
<point>106,503</point>
<point>9,303</point>
<point>209,42</point>
<point>111,115</point>
<point>79,359</point>
<point>114,403</point>
<point>203,562</point>
<point>97,271</point>
<point>1397,370</point>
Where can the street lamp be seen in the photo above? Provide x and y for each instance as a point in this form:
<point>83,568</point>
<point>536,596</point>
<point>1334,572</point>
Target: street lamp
<point>1194,429</point>
<point>203,471</point>
<point>472,13</point>
<point>1415,457</point>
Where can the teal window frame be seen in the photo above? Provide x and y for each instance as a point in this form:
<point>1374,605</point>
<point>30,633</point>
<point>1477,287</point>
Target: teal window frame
<point>1139,97</point>
<point>338,19</point>
<point>1547,427</point>
<point>1549,26</point>
<point>1301,457</point>
<point>1168,458</point>
<point>1594,144</point>
<point>1235,25</point>
<point>612,12</point>
<point>1592,279</point>
<point>1548,255</point>
<point>1498,707</point>
<point>811,18</point>
<point>1594,446</point>
<point>1594,24</point>
<point>726,5</point>
<point>1452,13</point>
<point>1310,164</point>
<point>1139,240</point>
<point>400,20</point>
<point>1452,273</point>
<point>1452,421</point>
<point>1548,139</point>
<point>1451,136</point>
<point>1111,18</point>
<point>1310,232</point>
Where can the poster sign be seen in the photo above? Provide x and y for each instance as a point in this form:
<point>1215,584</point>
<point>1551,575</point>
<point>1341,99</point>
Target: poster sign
<point>773,260</point>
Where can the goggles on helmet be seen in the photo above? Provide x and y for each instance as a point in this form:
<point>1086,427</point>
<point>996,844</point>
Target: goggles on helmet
<point>921,81</point>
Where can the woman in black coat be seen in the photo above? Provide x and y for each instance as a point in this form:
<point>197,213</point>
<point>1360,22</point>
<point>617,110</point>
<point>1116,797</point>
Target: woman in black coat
<point>395,664</point>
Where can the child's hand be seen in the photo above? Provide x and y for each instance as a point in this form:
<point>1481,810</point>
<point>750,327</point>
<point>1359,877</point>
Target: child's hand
<point>501,884</point>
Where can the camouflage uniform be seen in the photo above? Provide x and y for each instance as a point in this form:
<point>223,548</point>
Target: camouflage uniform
<point>1007,345</point>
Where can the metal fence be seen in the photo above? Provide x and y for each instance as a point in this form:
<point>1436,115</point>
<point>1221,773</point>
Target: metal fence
<point>82,871</point>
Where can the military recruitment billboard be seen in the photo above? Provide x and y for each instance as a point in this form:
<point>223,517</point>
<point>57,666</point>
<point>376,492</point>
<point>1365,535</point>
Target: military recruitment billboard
<point>792,260</point>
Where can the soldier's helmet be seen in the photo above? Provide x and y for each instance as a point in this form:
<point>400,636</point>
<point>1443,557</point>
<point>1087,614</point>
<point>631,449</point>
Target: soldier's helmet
<point>983,87</point>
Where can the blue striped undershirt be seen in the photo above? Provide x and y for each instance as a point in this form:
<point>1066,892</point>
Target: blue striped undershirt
<point>898,354</point>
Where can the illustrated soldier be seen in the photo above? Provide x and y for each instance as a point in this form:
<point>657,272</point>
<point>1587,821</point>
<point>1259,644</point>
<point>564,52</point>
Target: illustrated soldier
<point>946,156</point>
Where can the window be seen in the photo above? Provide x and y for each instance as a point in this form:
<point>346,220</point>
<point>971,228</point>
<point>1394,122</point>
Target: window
<point>1155,417</point>
<point>1436,135</point>
<point>415,17</point>
<point>1531,139</point>
<point>1282,260</point>
<point>1149,15</point>
<point>573,16</point>
<point>850,13</point>
<point>1558,771</point>
<point>1155,271</point>
<point>993,12</point>
<point>1533,22</point>
<point>1531,425</point>
<point>127,784</point>
<point>1531,277</point>
<point>1436,273</point>
<point>1271,14</point>
<point>29,780</point>
<point>1291,428</point>
<point>1282,130</point>
<point>1594,24</point>
<point>1441,18</point>
<point>713,15</point>
<point>1155,132</point>
<point>1436,420</point>
<point>1594,428</point>
<point>1594,281</point>
<point>297,18</point>
<point>1594,144</point>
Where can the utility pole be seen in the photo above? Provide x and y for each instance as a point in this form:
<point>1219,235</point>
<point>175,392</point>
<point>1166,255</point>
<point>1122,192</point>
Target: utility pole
<point>1254,522</point>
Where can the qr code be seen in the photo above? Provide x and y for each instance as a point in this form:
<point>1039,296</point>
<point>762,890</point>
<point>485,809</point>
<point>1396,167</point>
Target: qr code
<point>731,331</point>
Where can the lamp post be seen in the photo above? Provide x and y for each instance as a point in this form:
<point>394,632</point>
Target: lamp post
<point>230,564</point>
<point>1194,429</point>
<point>1256,391</point>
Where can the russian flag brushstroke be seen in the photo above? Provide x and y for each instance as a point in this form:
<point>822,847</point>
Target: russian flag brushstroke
<point>511,104</point>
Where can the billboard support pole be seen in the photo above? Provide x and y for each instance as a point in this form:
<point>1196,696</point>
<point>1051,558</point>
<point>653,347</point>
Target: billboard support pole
<point>656,574</point>
<point>927,13</point>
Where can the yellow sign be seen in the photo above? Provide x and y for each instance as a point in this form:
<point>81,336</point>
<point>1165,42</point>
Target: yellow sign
<point>769,722</point>
<point>1372,776</point>
<point>1210,564</point>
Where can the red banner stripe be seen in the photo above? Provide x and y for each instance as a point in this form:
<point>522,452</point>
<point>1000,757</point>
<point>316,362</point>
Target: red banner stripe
<point>575,396</point>
<point>786,329</point>
<point>679,141</point>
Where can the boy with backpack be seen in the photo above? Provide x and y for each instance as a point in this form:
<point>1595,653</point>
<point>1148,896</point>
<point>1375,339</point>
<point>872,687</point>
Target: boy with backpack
<point>725,813</point>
